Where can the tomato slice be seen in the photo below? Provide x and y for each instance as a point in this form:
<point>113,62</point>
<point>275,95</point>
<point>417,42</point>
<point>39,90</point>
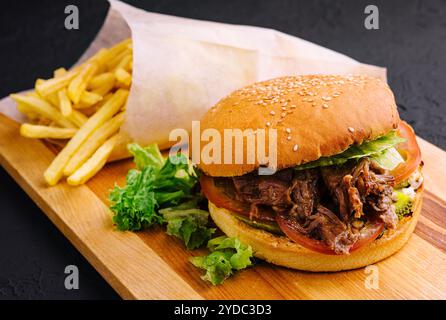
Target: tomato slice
<point>222,197</point>
<point>367,235</point>
<point>410,151</point>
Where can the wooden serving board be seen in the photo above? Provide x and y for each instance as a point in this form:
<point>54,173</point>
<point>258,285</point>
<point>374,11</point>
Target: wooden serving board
<point>152,265</point>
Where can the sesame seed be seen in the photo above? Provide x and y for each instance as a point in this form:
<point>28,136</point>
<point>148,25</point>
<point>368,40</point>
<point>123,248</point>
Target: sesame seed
<point>283,108</point>
<point>288,130</point>
<point>268,124</point>
<point>293,106</point>
<point>325,106</point>
<point>283,114</point>
<point>325,98</point>
<point>272,112</point>
<point>295,147</point>
<point>288,138</point>
<point>351,129</point>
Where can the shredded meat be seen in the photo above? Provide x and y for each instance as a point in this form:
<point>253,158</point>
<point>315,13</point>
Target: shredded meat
<point>304,194</point>
<point>356,190</point>
<point>326,226</point>
<point>265,190</point>
<point>362,185</point>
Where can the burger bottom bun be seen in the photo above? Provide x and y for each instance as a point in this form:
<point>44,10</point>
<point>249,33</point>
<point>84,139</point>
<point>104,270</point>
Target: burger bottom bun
<point>281,251</point>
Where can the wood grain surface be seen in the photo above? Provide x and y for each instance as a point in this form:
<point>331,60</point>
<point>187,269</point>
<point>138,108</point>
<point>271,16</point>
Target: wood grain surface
<point>152,265</point>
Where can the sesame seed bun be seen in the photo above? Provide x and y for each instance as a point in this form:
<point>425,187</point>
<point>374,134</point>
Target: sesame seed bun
<point>315,116</point>
<point>284,252</point>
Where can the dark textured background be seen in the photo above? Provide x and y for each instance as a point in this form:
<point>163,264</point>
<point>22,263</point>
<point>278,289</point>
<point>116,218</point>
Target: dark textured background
<point>411,43</point>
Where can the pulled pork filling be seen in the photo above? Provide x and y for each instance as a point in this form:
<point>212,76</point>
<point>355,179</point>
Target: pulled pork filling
<point>330,204</point>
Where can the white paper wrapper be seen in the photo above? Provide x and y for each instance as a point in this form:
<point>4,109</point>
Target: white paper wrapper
<point>182,67</point>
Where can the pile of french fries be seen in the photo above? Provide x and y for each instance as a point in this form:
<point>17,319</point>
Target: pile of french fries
<point>85,105</point>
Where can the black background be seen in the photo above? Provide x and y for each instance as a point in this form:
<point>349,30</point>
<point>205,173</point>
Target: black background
<point>411,43</point>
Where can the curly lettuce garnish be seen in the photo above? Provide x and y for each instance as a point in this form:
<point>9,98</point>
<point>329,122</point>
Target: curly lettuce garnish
<point>134,205</point>
<point>188,223</point>
<point>227,255</point>
<point>156,183</point>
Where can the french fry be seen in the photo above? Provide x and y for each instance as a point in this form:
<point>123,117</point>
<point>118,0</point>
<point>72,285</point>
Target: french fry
<point>101,79</point>
<point>105,88</point>
<point>123,77</point>
<point>77,118</point>
<point>93,143</point>
<point>33,94</point>
<point>44,132</point>
<point>124,63</point>
<point>43,108</point>
<point>55,171</point>
<point>100,58</point>
<point>89,98</point>
<point>51,98</point>
<point>91,110</point>
<point>24,109</point>
<point>117,49</point>
<point>94,164</point>
<point>65,104</point>
<point>79,83</point>
<point>55,84</point>
<point>114,61</point>
<point>59,72</point>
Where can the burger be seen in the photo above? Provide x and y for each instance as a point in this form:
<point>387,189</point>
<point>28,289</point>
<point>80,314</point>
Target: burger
<point>347,186</point>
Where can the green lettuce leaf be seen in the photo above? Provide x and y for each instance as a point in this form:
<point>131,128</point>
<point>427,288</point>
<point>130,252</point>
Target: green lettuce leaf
<point>227,255</point>
<point>388,159</point>
<point>188,223</point>
<point>366,149</point>
<point>175,175</point>
<point>155,184</point>
<point>134,205</point>
<point>217,265</point>
<point>145,157</point>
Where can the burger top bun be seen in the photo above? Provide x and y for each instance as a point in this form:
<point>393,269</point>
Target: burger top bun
<point>315,116</point>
